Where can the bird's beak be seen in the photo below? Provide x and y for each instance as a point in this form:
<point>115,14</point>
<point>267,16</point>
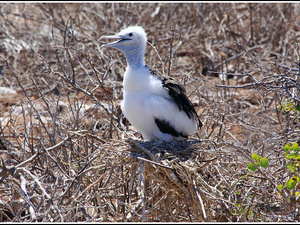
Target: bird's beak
<point>116,43</point>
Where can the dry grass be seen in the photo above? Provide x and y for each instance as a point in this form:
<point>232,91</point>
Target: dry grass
<point>69,155</point>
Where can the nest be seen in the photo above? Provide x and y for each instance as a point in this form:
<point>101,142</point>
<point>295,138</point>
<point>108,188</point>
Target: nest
<point>121,181</point>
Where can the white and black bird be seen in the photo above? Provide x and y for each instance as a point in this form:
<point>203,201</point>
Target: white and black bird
<point>157,106</point>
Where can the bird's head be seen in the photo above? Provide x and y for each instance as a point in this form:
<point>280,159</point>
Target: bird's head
<point>129,39</point>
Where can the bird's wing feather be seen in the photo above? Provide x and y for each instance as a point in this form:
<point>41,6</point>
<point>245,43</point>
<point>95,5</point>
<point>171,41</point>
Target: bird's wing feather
<point>167,117</point>
<point>166,127</point>
<point>178,94</point>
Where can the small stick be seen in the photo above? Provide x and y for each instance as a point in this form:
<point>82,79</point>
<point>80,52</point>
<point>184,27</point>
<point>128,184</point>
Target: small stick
<point>200,199</point>
<point>143,192</point>
<point>149,161</point>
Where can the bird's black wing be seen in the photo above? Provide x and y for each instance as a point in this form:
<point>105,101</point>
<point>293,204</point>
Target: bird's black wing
<point>178,94</point>
<point>165,127</point>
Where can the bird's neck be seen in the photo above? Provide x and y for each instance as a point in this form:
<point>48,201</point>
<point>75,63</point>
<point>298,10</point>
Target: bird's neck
<point>135,57</point>
<point>136,77</point>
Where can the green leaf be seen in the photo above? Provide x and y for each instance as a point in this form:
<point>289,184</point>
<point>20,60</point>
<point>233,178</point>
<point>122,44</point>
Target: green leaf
<point>255,157</point>
<point>280,186</point>
<point>291,167</point>
<point>290,184</point>
<point>264,162</point>
<point>292,155</point>
<point>295,147</point>
<point>287,147</point>
<point>251,167</point>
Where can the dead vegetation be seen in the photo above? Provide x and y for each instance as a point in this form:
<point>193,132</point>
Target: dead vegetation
<point>68,154</point>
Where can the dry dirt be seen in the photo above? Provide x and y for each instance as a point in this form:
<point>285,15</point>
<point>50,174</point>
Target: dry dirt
<point>68,154</point>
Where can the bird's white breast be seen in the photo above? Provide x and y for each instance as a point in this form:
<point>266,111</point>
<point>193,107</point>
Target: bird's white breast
<point>138,86</point>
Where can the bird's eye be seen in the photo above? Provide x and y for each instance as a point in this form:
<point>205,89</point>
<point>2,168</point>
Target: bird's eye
<point>130,34</point>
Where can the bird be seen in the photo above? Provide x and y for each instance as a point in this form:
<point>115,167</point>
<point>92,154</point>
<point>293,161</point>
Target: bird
<point>155,104</point>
